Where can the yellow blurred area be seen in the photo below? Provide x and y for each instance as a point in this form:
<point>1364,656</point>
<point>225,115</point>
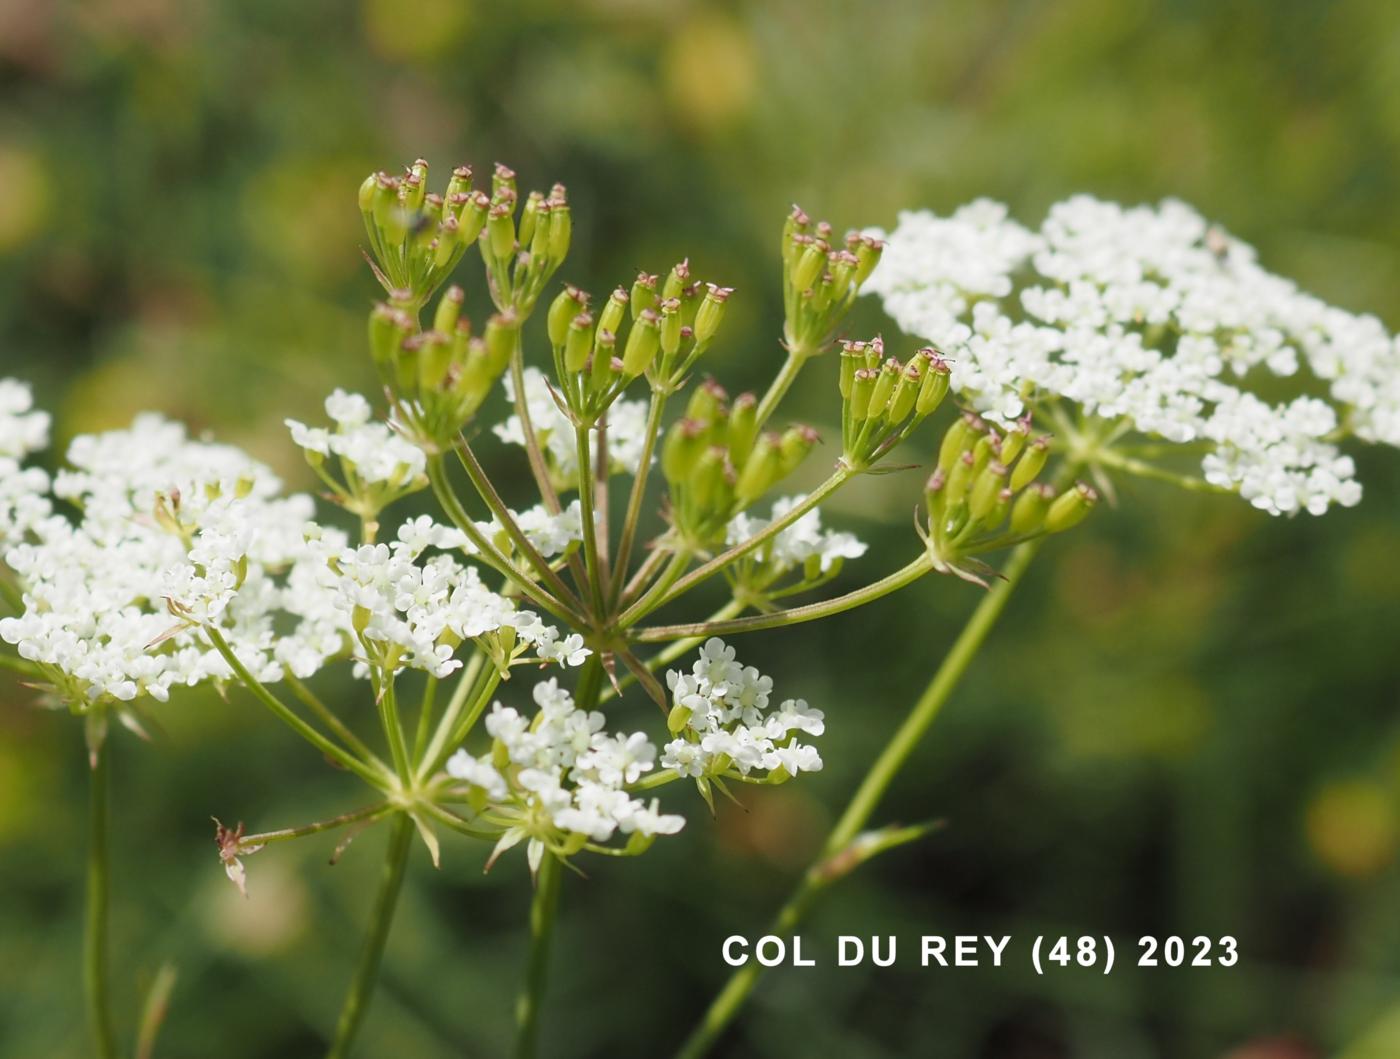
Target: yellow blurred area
<point>422,29</point>
<point>291,211</point>
<point>24,204</point>
<point>710,71</point>
<point>1351,827</point>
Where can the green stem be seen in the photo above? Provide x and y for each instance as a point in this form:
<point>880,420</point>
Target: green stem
<point>527,430</point>
<point>465,684</point>
<point>905,575</point>
<point>482,483</point>
<point>352,1013</point>
<point>313,702</point>
<point>468,722</point>
<point>544,909</point>
<point>393,728</point>
<point>374,776</point>
<point>657,594</point>
<point>19,665</point>
<point>778,389</point>
<point>489,553</point>
<point>591,556</point>
<point>369,813</point>
<point>425,718</point>
<point>548,493</point>
<point>674,651</point>
<point>1109,458</point>
<point>877,781</point>
<point>637,496</point>
<point>839,477</point>
<point>99,1004</point>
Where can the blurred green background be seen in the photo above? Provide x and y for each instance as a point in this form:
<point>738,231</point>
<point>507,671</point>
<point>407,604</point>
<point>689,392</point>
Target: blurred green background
<point>1186,725</point>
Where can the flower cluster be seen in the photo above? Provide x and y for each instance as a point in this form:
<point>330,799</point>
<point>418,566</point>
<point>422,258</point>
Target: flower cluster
<point>168,524</point>
<point>22,431</point>
<point>377,465</point>
<point>178,535</point>
<point>404,610</point>
<point>559,780</point>
<point>724,726</point>
<point>1155,319</point>
<point>803,546</point>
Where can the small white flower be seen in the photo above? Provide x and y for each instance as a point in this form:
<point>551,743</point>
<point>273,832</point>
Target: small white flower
<point>1152,317</point>
<point>728,724</point>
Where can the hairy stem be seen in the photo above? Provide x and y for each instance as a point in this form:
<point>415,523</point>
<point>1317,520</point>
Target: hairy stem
<point>352,1013</point>
<point>877,781</point>
<point>95,981</point>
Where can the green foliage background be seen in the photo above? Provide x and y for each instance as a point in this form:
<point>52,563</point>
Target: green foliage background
<point>1187,725</point>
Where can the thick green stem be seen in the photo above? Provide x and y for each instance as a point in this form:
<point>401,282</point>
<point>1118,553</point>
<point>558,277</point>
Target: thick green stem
<point>827,869</point>
<point>99,1005</point>
<point>545,905</point>
<point>544,909</point>
<point>352,1013</point>
<point>905,575</point>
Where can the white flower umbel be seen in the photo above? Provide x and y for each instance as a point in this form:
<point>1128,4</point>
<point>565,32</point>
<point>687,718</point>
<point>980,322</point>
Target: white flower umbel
<point>626,431</point>
<point>23,500</point>
<point>559,780</point>
<point>377,465</point>
<point>549,534</point>
<point>803,546</point>
<point>1149,320</point>
<point>403,608</point>
<point>725,726</point>
<point>170,530</point>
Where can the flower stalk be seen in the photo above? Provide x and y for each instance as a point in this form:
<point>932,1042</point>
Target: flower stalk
<point>352,1013</point>
<point>826,869</point>
<point>95,937</point>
